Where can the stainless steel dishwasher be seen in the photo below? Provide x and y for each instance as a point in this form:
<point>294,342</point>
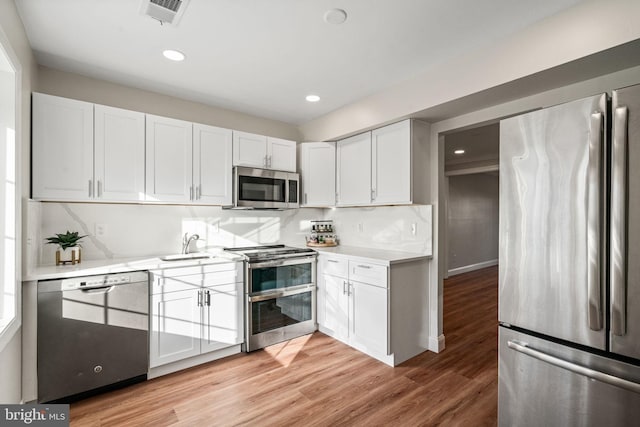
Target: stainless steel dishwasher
<point>92,333</point>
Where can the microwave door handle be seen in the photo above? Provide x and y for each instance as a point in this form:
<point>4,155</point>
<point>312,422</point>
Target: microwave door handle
<point>618,221</point>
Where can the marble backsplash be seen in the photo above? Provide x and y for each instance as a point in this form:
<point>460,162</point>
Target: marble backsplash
<point>135,230</point>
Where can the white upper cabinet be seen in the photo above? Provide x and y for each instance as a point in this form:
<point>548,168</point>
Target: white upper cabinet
<point>263,152</point>
<point>318,173</point>
<point>386,166</point>
<point>249,150</point>
<point>281,154</point>
<point>86,152</point>
<point>354,170</point>
<point>391,164</point>
<point>169,160</point>
<point>119,154</point>
<point>212,165</point>
<point>62,152</point>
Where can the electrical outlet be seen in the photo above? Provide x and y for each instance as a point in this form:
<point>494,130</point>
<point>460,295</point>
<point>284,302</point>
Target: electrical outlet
<point>100,230</point>
<point>414,228</point>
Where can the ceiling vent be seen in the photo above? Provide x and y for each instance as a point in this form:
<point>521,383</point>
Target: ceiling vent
<point>165,11</point>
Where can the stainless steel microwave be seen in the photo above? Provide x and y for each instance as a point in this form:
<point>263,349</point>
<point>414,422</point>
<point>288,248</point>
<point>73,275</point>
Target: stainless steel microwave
<point>265,189</point>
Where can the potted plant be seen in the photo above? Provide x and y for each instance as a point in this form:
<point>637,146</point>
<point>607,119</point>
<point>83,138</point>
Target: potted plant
<point>69,240</point>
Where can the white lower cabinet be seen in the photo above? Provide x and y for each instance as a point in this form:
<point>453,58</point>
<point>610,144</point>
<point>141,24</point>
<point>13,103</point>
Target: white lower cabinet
<point>355,312</point>
<point>194,310</point>
<point>381,310</point>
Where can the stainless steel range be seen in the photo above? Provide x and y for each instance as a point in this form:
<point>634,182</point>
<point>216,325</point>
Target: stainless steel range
<point>280,293</point>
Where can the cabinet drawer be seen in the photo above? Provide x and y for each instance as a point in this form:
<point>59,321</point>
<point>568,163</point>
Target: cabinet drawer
<point>178,279</point>
<point>335,266</point>
<point>368,273</point>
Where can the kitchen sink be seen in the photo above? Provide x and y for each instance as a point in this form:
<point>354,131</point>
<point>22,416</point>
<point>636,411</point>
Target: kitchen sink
<point>184,257</point>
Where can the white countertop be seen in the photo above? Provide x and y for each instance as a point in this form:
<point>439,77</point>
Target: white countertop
<point>376,256</point>
<point>122,265</point>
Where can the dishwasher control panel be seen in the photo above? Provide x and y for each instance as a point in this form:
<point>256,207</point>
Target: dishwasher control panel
<point>94,282</point>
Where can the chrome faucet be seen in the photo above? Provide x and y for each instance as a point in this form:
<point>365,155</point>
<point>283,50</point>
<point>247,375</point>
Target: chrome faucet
<point>186,241</point>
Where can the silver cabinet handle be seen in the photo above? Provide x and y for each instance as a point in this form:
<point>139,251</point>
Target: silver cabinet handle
<point>344,287</point>
<point>364,266</point>
<point>333,260</point>
<point>208,298</point>
<point>198,192</point>
<point>373,194</point>
<point>90,188</point>
<point>619,221</point>
<point>99,193</point>
<point>199,298</point>
<point>265,161</point>
<point>269,164</point>
<point>305,198</point>
<point>572,367</point>
<point>594,215</point>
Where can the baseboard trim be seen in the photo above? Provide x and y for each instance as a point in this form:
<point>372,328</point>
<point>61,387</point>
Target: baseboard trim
<point>436,344</point>
<point>472,267</point>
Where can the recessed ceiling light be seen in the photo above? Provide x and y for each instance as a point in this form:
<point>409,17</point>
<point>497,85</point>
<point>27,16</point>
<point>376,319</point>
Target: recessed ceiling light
<point>335,16</point>
<point>312,98</point>
<point>458,152</point>
<point>173,55</point>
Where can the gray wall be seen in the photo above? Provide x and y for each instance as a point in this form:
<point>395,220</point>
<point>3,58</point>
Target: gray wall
<point>473,220</point>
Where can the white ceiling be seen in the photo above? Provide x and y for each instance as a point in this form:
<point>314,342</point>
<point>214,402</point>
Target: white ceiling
<point>263,57</point>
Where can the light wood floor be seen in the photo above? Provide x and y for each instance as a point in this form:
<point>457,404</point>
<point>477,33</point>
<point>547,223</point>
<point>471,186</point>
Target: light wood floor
<point>317,381</point>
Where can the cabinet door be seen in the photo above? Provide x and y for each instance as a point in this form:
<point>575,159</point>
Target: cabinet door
<point>249,150</point>
<point>336,307</point>
<point>318,174</point>
<point>391,164</point>
<point>281,154</point>
<point>354,170</point>
<point>62,152</point>
<point>222,317</point>
<point>169,160</point>
<point>119,154</point>
<point>175,327</point>
<point>212,169</point>
<point>368,318</point>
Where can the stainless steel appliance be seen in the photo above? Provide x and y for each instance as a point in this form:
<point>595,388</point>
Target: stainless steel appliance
<point>280,294</point>
<point>92,333</point>
<point>569,291</point>
<point>265,189</point>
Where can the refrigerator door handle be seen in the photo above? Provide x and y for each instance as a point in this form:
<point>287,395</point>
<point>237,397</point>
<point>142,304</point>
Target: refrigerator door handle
<point>572,367</point>
<point>594,215</point>
<point>619,221</point>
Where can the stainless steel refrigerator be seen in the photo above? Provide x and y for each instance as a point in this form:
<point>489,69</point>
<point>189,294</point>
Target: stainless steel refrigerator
<point>569,282</point>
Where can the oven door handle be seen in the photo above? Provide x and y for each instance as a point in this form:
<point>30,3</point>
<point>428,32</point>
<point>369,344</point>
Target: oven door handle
<point>280,294</point>
<point>283,261</point>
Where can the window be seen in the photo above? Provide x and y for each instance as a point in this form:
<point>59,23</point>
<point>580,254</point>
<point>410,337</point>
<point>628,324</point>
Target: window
<point>9,286</point>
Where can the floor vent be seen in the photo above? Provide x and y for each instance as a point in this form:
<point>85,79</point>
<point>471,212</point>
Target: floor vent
<point>165,11</point>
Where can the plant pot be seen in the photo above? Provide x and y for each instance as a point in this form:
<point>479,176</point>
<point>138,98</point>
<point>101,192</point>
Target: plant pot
<point>68,256</point>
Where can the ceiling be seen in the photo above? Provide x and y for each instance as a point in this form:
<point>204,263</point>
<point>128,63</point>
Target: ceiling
<point>263,57</point>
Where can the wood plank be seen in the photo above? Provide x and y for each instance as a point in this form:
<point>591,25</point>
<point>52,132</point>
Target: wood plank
<point>318,381</point>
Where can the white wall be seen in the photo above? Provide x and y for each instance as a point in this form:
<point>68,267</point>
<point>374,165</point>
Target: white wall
<point>15,42</point>
<point>473,213</point>
<point>75,86</point>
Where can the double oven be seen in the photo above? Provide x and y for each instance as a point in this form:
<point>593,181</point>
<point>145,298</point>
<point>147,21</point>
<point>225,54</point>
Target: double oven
<point>280,294</point>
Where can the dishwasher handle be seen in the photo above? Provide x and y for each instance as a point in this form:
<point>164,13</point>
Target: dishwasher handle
<point>97,289</point>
